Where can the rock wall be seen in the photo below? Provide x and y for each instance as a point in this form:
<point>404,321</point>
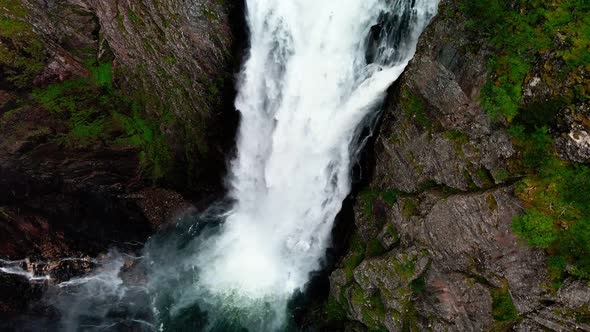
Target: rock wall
<point>433,247</point>
<point>108,109</point>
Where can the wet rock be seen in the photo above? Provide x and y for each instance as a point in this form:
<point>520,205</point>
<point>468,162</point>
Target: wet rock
<point>433,130</point>
<point>439,187</point>
<point>62,200</point>
<point>160,205</point>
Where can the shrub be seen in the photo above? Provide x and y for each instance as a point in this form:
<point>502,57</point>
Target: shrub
<point>536,227</point>
<point>502,306</point>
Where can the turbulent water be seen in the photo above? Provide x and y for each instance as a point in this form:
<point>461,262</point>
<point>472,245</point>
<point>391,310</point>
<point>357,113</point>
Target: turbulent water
<point>314,78</point>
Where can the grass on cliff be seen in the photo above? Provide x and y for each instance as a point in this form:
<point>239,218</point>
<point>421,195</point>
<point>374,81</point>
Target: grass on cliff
<point>524,35</point>
<point>97,114</point>
<point>523,32</point>
<point>503,309</point>
<point>22,55</point>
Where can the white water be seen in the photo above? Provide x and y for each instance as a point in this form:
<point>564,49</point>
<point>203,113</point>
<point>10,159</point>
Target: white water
<point>305,92</point>
<point>315,77</point>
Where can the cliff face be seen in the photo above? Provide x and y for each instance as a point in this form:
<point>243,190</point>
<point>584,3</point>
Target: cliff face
<point>103,103</point>
<point>433,246</point>
<point>174,59</point>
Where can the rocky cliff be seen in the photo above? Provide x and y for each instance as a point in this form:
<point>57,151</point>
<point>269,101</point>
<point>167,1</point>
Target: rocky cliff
<point>108,109</point>
<point>434,244</point>
<point>472,212</point>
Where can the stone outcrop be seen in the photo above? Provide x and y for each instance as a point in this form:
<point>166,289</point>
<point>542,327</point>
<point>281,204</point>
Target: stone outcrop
<point>439,205</point>
<point>176,58</point>
<point>156,77</point>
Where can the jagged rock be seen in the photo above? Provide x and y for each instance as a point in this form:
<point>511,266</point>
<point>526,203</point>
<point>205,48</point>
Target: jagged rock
<point>433,129</point>
<point>380,291</point>
<point>177,57</point>
<point>438,186</point>
<point>60,199</point>
<point>574,142</point>
<point>471,251</point>
<point>454,303</point>
<point>569,311</point>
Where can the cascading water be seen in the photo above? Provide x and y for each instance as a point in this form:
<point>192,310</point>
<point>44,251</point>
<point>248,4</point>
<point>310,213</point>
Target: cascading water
<point>315,73</point>
<point>315,77</point>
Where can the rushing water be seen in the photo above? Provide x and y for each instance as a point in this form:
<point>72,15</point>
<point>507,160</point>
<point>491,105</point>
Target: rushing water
<point>315,76</point>
<point>316,72</point>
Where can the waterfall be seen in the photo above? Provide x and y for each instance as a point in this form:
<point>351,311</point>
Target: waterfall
<point>314,79</point>
<point>315,76</point>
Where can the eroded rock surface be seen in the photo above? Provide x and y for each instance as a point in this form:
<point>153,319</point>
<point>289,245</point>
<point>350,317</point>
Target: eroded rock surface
<point>108,109</point>
<point>439,207</point>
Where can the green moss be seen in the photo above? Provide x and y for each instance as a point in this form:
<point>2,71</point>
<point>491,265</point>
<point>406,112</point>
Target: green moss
<point>536,227</point>
<point>500,175</point>
<point>582,315</point>
<point>458,138</point>
<point>410,207</point>
<point>522,33</point>
<point>492,203</point>
<point>392,233</point>
<point>502,307</point>
<point>170,60</point>
<point>418,285</point>
<point>485,177</point>
<point>414,108</point>
<point>97,114</point>
<point>334,310</point>
<point>155,156</point>
<point>22,55</point>
<point>410,319</point>
<point>405,268</point>
<point>556,266</point>
<point>208,13</point>
<point>102,73</point>
<point>133,16</point>
<point>355,256</point>
<point>558,203</point>
<point>372,307</point>
<point>367,196</point>
<point>374,248</point>
<point>390,196</point>
<point>85,133</point>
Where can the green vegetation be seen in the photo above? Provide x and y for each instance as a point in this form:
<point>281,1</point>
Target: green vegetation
<point>372,307</point>
<point>414,108</point>
<point>97,114</point>
<point>502,307</point>
<point>334,310</point>
<point>133,16</point>
<point>404,268</point>
<point>458,138</point>
<point>102,73</point>
<point>355,256</point>
<point>558,202</point>
<point>554,38</point>
<point>374,248</point>
<point>418,285</point>
<point>22,55</point>
<point>536,227</point>
<point>522,32</point>
<point>410,207</point>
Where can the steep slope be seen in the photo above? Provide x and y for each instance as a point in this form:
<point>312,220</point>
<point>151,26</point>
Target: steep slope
<point>434,246</point>
<point>102,105</point>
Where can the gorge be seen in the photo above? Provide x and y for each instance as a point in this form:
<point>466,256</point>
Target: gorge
<point>116,118</point>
